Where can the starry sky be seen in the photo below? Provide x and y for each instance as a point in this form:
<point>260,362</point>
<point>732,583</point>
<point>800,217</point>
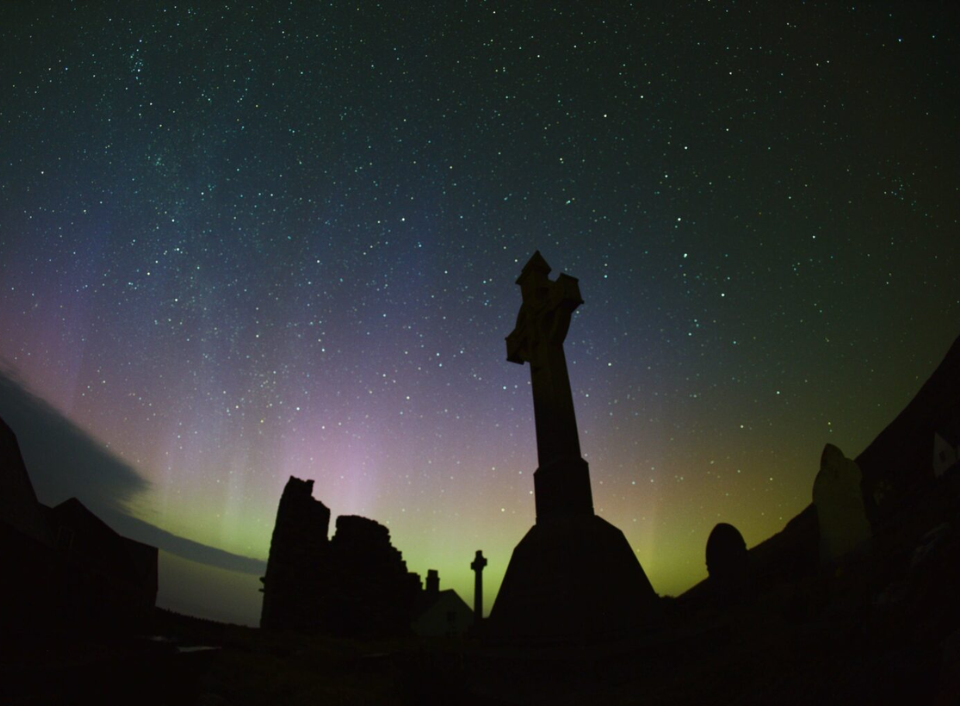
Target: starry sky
<point>240,241</point>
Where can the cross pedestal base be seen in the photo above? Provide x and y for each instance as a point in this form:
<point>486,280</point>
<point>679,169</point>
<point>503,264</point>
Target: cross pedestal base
<point>562,489</point>
<point>572,578</point>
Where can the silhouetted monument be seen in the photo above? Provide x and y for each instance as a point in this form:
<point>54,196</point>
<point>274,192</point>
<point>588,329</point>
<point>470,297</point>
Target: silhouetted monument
<point>840,512</point>
<point>478,565</point>
<point>573,575</point>
<point>353,584</point>
<point>562,482</point>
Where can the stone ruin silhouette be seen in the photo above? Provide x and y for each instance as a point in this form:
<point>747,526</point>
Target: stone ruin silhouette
<point>355,584</point>
<point>573,575</point>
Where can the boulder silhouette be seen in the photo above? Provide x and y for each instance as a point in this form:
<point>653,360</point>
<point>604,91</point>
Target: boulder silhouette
<point>728,562</point>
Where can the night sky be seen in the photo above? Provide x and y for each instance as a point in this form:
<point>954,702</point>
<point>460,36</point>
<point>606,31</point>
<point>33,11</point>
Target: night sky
<point>240,242</point>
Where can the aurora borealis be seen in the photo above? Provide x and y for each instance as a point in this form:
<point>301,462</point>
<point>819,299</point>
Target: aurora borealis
<point>240,241</point>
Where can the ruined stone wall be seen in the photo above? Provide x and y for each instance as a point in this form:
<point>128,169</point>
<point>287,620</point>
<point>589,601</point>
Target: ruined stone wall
<point>355,584</point>
<point>368,581</point>
<point>298,550</point>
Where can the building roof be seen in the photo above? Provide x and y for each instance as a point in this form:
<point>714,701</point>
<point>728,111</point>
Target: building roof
<point>93,541</point>
<point>446,597</point>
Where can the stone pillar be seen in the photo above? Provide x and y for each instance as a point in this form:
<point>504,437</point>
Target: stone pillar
<point>562,481</point>
<point>479,562</point>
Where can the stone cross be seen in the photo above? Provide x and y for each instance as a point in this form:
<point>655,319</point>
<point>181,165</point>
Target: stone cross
<point>562,481</point>
<point>479,562</point>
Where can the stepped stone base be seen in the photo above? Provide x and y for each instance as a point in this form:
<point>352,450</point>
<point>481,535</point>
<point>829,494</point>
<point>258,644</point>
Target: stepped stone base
<point>573,577</point>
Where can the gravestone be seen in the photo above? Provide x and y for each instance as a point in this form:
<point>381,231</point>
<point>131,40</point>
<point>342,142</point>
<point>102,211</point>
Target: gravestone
<point>573,575</point>
<point>728,563</point>
<point>839,502</point>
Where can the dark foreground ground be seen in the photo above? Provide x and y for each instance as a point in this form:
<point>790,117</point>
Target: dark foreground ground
<point>881,627</point>
<point>749,654</point>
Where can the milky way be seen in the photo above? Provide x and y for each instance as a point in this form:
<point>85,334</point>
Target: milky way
<point>240,242</point>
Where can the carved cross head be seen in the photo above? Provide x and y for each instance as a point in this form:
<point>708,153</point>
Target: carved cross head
<point>544,316</point>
